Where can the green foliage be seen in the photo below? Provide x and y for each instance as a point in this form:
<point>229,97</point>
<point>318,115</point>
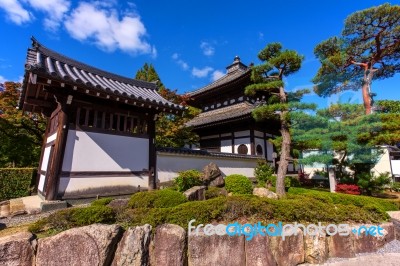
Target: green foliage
<point>370,183</point>
<point>188,179</point>
<point>164,198</point>
<point>21,134</point>
<point>213,192</point>
<point>389,106</point>
<point>16,182</point>
<point>366,43</point>
<point>395,186</point>
<point>101,202</point>
<point>238,184</point>
<point>170,129</point>
<point>263,172</point>
<point>74,217</point>
<point>290,181</point>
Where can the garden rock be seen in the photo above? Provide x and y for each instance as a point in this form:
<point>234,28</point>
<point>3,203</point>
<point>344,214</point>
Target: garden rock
<point>133,249</point>
<point>316,248</point>
<point>341,246</point>
<point>289,251</point>
<point>168,246</point>
<point>17,249</point>
<point>367,243</point>
<point>263,192</point>
<point>212,176</point>
<point>196,193</point>
<point>216,250</point>
<point>258,251</point>
<point>90,245</point>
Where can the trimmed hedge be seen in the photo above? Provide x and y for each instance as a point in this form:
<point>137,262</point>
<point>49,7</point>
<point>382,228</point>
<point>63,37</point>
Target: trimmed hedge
<point>16,182</point>
<point>157,199</point>
<point>188,179</point>
<point>238,184</point>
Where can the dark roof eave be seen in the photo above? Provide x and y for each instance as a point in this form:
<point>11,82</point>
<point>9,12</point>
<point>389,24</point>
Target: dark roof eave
<point>224,121</point>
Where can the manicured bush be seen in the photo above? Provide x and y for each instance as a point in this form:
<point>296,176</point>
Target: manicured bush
<point>263,172</point>
<point>290,181</point>
<point>213,192</point>
<point>395,186</point>
<point>187,179</point>
<point>238,184</point>
<point>348,189</point>
<point>370,183</point>
<point>164,198</point>
<point>101,202</point>
<point>74,217</point>
<point>16,182</point>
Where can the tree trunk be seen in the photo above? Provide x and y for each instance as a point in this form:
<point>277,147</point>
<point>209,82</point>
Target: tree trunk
<point>285,152</point>
<point>366,91</point>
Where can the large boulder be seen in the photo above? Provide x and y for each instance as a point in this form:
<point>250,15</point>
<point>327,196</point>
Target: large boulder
<point>289,251</point>
<point>17,249</point>
<point>216,250</point>
<point>316,247</point>
<point>263,192</point>
<point>341,246</point>
<point>212,176</point>
<point>196,193</point>
<point>364,243</point>
<point>168,246</point>
<point>90,245</point>
<point>133,249</point>
<point>258,252</point>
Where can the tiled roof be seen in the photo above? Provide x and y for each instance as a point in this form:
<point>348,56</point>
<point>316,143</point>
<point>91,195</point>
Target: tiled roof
<point>206,153</point>
<point>220,115</point>
<point>41,60</point>
<point>226,79</point>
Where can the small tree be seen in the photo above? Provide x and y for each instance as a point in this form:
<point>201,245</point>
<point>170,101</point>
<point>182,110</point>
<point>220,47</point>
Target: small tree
<point>368,49</point>
<point>268,81</point>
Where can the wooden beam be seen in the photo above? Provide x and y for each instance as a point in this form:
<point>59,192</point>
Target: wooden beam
<point>151,131</point>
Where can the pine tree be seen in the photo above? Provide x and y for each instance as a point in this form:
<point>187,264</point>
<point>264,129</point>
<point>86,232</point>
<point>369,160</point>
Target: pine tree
<point>268,81</point>
<point>368,49</point>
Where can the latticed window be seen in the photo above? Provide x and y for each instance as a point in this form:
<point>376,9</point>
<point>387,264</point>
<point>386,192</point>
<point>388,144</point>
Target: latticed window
<point>259,150</point>
<point>242,149</point>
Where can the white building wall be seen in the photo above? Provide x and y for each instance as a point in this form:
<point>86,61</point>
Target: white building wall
<point>226,146</point>
<point>270,150</point>
<point>260,142</point>
<point>168,165</point>
<point>245,141</point>
<point>383,164</point>
<point>45,161</point>
<point>88,151</point>
<point>396,167</point>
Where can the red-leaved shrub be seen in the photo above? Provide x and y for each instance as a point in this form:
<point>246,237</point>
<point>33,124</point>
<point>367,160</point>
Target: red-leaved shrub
<point>348,189</point>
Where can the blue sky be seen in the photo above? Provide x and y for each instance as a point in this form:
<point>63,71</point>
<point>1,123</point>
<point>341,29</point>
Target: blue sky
<point>189,42</point>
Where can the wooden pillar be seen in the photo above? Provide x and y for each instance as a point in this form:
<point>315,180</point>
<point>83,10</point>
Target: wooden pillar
<point>233,142</point>
<point>252,142</point>
<point>151,131</point>
<point>265,146</point>
<point>56,160</point>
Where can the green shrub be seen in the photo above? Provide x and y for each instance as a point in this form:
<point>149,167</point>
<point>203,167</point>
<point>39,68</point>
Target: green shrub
<point>164,198</point>
<point>238,184</point>
<point>395,186</point>
<point>263,172</point>
<point>290,181</point>
<point>101,202</point>
<point>74,217</point>
<point>370,183</point>
<point>213,192</point>
<point>16,182</point>
<point>188,179</point>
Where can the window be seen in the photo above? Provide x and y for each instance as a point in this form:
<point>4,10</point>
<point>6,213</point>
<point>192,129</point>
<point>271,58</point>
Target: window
<point>259,150</point>
<point>242,149</point>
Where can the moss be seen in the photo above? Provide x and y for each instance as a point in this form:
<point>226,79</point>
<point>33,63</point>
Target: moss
<point>213,192</point>
<point>164,198</point>
<point>101,202</point>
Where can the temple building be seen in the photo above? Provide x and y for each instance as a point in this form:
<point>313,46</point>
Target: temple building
<point>226,124</point>
<point>100,133</point>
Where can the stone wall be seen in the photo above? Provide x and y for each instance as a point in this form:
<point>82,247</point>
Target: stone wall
<point>169,245</point>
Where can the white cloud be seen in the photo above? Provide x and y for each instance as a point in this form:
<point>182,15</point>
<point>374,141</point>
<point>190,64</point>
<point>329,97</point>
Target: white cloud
<point>54,9</point>
<point>2,79</point>
<point>208,50</point>
<point>15,11</point>
<point>103,26</point>
<point>180,62</point>
<point>261,36</point>
<point>201,73</point>
<point>217,74</point>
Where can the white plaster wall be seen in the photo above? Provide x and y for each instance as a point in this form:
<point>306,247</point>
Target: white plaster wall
<point>86,185</point>
<point>242,133</point>
<point>88,151</point>
<point>43,167</point>
<point>51,138</point>
<point>226,146</point>
<point>258,134</point>
<point>245,141</point>
<point>396,167</point>
<point>168,165</point>
<point>383,164</point>
<point>270,150</point>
